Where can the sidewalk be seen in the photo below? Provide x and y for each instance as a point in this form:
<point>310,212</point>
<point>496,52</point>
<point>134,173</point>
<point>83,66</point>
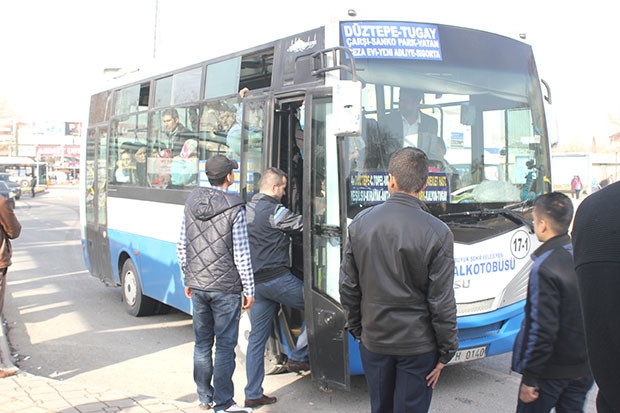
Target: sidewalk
<point>25,392</point>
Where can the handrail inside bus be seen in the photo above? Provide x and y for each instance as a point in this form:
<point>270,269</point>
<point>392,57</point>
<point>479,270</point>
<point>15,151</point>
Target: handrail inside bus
<point>320,57</point>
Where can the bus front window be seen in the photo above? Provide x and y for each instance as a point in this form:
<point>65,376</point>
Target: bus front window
<point>484,141</point>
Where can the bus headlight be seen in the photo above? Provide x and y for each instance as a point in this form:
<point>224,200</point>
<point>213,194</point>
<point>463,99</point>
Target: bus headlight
<point>516,290</point>
<point>476,307</point>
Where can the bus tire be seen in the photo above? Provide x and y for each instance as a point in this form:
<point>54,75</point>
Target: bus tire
<point>136,303</point>
<point>275,361</point>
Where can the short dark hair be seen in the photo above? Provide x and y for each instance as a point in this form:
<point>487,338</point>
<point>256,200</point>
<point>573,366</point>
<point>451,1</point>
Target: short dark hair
<point>413,94</point>
<point>172,112</point>
<point>557,208</point>
<point>409,166</point>
<point>271,176</point>
<point>217,181</point>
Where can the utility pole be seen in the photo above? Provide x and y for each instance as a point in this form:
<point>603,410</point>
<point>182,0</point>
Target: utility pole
<point>155,29</point>
<point>16,139</point>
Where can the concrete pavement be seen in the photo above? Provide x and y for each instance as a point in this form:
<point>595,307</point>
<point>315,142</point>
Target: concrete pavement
<point>24,392</point>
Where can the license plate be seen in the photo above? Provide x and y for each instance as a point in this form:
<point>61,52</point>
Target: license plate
<point>469,354</point>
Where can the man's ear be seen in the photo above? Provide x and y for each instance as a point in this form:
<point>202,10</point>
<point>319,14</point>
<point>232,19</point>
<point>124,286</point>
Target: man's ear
<point>542,226</point>
<point>392,184</point>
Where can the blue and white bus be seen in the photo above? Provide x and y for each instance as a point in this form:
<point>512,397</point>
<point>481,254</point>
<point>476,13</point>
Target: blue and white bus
<point>317,107</point>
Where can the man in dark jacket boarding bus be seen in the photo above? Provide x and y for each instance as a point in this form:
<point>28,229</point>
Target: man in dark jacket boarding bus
<point>396,286</point>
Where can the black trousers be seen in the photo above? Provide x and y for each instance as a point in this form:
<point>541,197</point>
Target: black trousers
<point>398,383</point>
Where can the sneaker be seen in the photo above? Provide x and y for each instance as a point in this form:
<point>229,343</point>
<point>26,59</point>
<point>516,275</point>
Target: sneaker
<point>205,406</point>
<point>236,408</point>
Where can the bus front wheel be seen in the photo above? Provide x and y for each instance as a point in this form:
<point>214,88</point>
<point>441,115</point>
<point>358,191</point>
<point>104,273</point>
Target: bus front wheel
<point>136,303</point>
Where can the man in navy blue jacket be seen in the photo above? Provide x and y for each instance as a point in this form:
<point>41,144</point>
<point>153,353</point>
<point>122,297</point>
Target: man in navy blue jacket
<point>550,349</point>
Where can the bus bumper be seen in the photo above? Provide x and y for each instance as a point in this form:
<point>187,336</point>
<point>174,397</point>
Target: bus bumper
<point>496,330</point>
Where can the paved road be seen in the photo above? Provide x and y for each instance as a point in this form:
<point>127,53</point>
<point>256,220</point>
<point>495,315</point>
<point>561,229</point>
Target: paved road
<point>67,328</point>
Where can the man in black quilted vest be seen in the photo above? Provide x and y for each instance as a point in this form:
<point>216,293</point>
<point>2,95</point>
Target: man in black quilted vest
<point>214,255</point>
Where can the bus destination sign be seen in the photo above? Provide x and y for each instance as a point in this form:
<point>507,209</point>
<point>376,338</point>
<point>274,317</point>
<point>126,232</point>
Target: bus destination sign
<point>370,188</point>
<point>392,40</point>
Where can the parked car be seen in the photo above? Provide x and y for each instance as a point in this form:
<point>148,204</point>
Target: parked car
<point>13,185</point>
<point>8,193</point>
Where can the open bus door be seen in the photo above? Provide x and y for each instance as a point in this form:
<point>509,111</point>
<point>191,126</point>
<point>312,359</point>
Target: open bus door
<point>96,231</point>
<point>322,239</point>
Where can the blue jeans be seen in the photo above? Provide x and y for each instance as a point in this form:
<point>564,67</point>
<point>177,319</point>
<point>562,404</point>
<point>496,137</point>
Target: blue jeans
<point>216,316</point>
<point>566,395</point>
<point>288,290</point>
<point>397,384</point>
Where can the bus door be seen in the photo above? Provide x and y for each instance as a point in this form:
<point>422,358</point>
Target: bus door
<point>96,233</point>
<point>322,240</point>
<point>285,152</point>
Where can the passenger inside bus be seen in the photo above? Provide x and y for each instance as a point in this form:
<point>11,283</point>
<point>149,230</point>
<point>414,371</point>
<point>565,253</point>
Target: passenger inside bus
<point>176,133</point>
<point>140,163</point>
<point>184,168</point>
<point>233,138</point>
<point>408,126</point>
<point>216,120</point>
<point>124,171</point>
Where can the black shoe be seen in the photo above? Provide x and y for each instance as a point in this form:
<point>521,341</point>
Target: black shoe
<point>260,401</point>
<point>294,365</point>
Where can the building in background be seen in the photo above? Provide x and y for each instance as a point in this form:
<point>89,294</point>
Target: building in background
<point>56,144</point>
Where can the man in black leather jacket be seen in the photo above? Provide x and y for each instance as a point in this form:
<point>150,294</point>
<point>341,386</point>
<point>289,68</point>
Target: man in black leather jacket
<point>396,286</point>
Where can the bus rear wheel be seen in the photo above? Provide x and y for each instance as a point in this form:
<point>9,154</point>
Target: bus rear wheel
<point>136,303</point>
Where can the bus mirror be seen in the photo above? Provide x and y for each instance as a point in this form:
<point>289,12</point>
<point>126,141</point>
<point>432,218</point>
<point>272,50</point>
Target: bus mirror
<point>348,108</point>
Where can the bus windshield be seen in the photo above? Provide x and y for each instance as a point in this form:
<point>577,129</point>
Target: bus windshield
<point>478,117</point>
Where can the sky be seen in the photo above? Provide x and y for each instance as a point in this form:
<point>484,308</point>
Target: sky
<point>55,51</point>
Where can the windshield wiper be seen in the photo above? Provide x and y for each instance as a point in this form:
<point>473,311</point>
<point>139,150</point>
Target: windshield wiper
<point>506,212</point>
<point>461,225</point>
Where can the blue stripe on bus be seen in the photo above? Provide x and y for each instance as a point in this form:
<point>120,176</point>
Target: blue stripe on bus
<point>496,329</point>
<point>157,266</point>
